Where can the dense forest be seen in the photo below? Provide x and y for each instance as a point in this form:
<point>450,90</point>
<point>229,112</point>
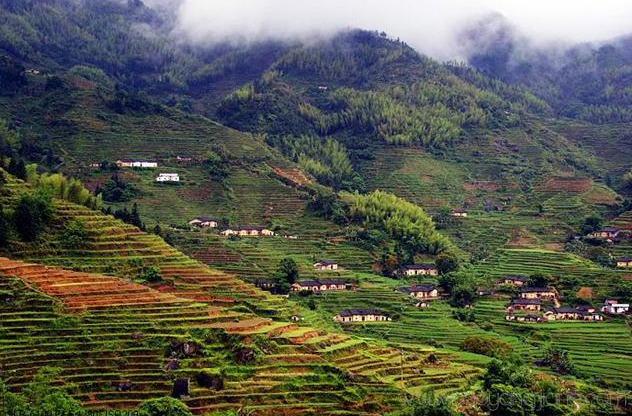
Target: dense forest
<point>589,81</point>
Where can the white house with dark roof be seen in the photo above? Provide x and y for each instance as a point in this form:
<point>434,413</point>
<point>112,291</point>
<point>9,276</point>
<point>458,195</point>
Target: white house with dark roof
<point>605,233</point>
<point>204,222</point>
<point>137,163</point>
<point>624,262</point>
<point>326,265</point>
<point>520,304</point>
<point>321,285</point>
<point>421,291</point>
<point>514,280</point>
<point>420,270</point>
<point>613,307</point>
<point>247,231</point>
<point>361,315</point>
<point>168,177</point>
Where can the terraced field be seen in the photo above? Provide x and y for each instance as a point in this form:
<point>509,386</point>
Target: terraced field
<point>609,363</point>
<point>115,338</point>
<point>565,268</point>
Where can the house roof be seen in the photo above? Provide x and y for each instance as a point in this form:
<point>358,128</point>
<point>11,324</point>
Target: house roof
<point>625,259</point>
<point>536,289</point>
<point>319,282</point>
<point>332,281</point>
<point>417,288</point>
<point>250,227</point>
<point>610,229</point>
<point>566,310</point>
<point>204,219</point>
<point>526,301</point>
<point>459,211</point>
<point>326,262</point>
<point>306,283</point>
<point>423,266</point>
<point>516,278</point>
<point>353,312</point>
<point>137,160</point>
<point>577,310</point>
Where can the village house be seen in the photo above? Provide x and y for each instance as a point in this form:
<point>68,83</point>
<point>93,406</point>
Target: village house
<point>136,163</point>
<point>522,318</point>
<point>182,158</point>
<point>421,291</point>
<point>606,233</point>
<point>204,222</point>
<point>624,262</point>
<point>613,307</point>
<point>168,177</point>
<point>326,265</point>
<point>419,269</point>
<point>265,284</point>
<point>459,213</point>
<point>514,280</point>
<point>321,285</point>
<point>95,164</point>
<point>361,315</point>
<point>524,305</point>
<point>247,231</point>
<point>543,293</point>
<point>572,314</point>
<point>421,305</point>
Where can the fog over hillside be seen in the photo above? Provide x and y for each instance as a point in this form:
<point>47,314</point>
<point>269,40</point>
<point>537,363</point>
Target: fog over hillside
<point>433,28</point>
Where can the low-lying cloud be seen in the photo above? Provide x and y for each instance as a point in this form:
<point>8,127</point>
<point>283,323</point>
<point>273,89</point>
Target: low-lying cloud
<point>431,26</point>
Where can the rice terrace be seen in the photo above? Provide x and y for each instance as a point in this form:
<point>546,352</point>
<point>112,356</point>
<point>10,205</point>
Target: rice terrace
<point>274,208</point>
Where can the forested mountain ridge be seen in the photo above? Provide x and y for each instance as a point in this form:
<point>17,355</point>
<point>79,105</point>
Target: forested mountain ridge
<point>589,81</point>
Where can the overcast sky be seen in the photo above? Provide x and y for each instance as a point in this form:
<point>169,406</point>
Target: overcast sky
<point>428,25</point>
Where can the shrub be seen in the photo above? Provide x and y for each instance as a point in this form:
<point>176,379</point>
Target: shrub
<point>74,235</point>
<point>4,228</point>
<point>32,214</point>
<point>151,274</point>
<point>558,360</point>
<point>447,262</point>
<point>428,407</point>
<point>164,406</point>
<point>40,397</point>
<point>488,346</point>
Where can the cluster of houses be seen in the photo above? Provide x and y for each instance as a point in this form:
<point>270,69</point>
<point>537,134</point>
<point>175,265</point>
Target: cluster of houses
<point>361,315</point>
<point>137,163</point>
<point>558,314</point>
<point>143,163</point>
<point>607,233</point>
<point>247,231</point>
<point>613,307</point>
<point>532,300</point>
<point>322,285</point>
<point>613,234</point>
